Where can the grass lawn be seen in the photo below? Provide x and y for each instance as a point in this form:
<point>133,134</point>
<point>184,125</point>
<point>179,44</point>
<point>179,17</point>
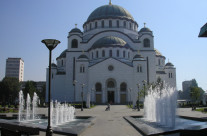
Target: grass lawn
<point>204,110</point>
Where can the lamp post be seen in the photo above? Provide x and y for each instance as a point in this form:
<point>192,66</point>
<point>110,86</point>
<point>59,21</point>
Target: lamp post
<point>92,98</point>
<point>130,89</point>
<point>82,85</point>
<point>74,83</point>
<point>138,98</point>
<point>144,83</point>
<point>50,44</point>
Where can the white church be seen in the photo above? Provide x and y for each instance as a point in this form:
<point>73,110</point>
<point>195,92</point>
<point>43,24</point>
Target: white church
<point>106,61</point>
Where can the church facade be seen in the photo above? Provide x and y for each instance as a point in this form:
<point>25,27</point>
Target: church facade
<point>108,59</point>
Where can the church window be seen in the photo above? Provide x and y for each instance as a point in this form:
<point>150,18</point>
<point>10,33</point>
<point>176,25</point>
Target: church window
<point>110,23</point>
<point>139,69</point>
<point>130,25</point>
<point>117,53</point>
<point>159,62</point>
<point>102,24</point>
<point>98,87</point>
<point>146,42</point>
<point>124,24</point>
<point>128,55</point>
<point>123,87</point>
<point>95,24</point>
<point>170,75</point>
<point>92,55</point>
<point>110,53</point>
<point>110,84</point>
<point>62,62</point>
<point>117,23</point>
<point>96,54</point>
<point>110,68</point>
<point>134,27</point>
<point>90,26</point>
<point>82,69</point>
<point>103,53</point>
<point>124,54</point>
<point>74,43</point>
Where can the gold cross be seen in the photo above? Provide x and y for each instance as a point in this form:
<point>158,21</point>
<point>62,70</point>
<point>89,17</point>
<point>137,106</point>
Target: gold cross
<point>109,2</point>
<point>144,25</point>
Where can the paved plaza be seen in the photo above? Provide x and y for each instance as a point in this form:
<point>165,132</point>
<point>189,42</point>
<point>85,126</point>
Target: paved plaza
<point>111,123</point>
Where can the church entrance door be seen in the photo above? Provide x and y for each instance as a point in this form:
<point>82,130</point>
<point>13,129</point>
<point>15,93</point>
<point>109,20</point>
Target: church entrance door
<point>111,97</point>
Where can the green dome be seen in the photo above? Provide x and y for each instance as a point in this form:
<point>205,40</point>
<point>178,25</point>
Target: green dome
<point>110,11</point>
<point>145,29</point>
<point>62,55</point>
<point>110,41</point>
<point>75,30</point>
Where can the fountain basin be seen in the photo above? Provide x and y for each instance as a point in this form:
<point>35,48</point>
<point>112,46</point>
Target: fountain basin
<point>72,128</point>
<point>183,127</point>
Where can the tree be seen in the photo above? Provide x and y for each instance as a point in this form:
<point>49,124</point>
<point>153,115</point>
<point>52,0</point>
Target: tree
<point>30,88</point>
<point>41,94</point>
<point>9,88</point>
<point>196,94</point>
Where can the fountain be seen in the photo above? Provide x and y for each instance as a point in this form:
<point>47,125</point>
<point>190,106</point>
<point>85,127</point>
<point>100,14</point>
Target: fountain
<point>63,120</point>
<point>160,106</point>
<point>160,115</point>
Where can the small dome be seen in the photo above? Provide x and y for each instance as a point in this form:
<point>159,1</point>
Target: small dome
<point>109,11</point>
<point>62,55</point>
<point>158,53</point>
<point>145,29</point>
<point>110,41</point>
<point>169,64</point>
<point>82,57</point>
<point>75,30</point>
<point>138,56</point>
<point>53,65</point>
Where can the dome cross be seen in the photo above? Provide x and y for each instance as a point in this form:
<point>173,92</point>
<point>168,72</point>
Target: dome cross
<point>110,2</point>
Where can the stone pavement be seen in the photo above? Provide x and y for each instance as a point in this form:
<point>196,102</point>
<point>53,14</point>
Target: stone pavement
<point>108,123</point>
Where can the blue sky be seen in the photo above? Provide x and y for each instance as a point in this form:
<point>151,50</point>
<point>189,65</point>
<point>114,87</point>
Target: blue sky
<point>175,25</point>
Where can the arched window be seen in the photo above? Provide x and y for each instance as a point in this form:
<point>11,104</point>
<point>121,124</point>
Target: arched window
<point>110,23</point>
<point>92,55</point>
<point>102,24</point>
<point>124,54</point>
<point>158,61</point>
<point>90,26</point>
<point>117,53</point>
<point>128,55</point>
<point>146,42</point>
<point>96,54</point>
<point>103,53</point>
<point>170,75</point>
<point>130,25</point>
<point>95,24</point>
<point>74,43</point>
<point>117,23</point>
<point>98,87</point>
<point>123,87</point>
<point>124,24</point>
<point>110,53</point>
<point>139,69</point>
<point>82,69</point>
<point>110,84</point>
<point>62,62</point>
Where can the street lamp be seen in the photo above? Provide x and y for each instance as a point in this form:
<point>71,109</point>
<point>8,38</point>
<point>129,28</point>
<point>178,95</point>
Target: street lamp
<point>92,89</point>
<point>82,85</point>
<point>138,98</point>
<point>74,83</point>
<point>144,83</point>
<point>130,89</point>
<point>50,44</point>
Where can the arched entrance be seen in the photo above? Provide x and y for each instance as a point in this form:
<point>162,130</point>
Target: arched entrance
<point>111,85</point>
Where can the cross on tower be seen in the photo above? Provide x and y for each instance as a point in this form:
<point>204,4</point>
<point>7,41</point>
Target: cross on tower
<point>144,25</point>
<point>109,2</point>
